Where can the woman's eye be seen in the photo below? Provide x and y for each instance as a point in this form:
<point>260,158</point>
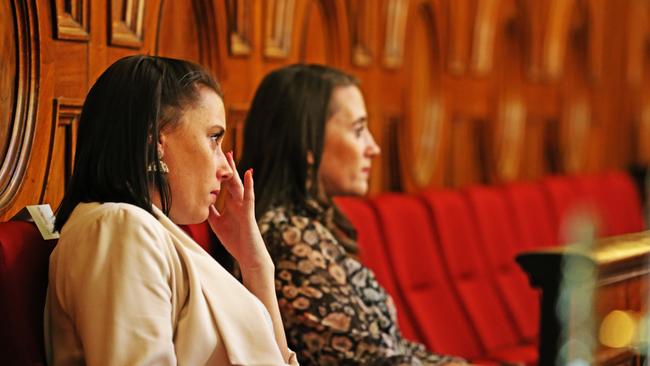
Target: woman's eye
<point>216,137</point>
<point>359,131</point>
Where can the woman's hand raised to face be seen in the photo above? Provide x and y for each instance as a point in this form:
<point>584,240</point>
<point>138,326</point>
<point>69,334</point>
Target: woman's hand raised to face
<point>236,226</point>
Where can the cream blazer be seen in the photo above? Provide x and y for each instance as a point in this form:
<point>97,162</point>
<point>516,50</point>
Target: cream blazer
<point>126,288</point>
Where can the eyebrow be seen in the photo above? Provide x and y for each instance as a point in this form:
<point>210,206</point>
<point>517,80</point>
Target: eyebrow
<point>360,120</point>
<point>219,128</point>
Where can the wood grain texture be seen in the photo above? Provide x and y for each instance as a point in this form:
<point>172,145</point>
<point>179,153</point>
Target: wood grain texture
<point>458,92</point>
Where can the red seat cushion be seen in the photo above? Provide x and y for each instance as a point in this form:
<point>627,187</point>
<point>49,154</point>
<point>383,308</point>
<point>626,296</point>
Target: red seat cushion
<point>372,253</point>
<point>415,256</point>
<point>24,260</point>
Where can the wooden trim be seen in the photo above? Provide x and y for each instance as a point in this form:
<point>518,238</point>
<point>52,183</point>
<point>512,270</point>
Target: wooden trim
<point>240,25</point>
<point>13,167</point>
<point>279,19</point>
<point>65,113</point>
<point>127,23</point>
<point>359,15</point>
<point>72,18</point>
<point>396,17</point>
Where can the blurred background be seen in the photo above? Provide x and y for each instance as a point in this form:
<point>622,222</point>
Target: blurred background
<point>458,91</point>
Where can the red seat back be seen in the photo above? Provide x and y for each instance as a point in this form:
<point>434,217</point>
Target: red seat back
<point>419,268</point>
<point>372,253</point>
<point>24,260</point>
<point>623,197</point>
<point>499,240</point>
<point>531,215</point>
<point>460,248</point>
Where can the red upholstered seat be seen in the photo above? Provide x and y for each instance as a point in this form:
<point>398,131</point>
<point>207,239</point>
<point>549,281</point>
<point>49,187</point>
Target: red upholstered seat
<point>531,215</point>
<point>624,199</point>
<point>202,234</point>
<point>24,260</point>
<point>468,268</point>
<point>563,197</point>
<point>372,253</point>
<point>499,241</point>
<point>419,269</point>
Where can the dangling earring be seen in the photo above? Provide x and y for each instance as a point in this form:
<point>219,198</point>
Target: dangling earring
<point>159,167</point>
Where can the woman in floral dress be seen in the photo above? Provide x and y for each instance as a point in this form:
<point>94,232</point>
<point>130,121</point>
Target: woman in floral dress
<point>307,139</point>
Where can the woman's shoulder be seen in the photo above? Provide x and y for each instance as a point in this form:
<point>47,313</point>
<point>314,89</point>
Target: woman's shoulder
<point>124,217</point>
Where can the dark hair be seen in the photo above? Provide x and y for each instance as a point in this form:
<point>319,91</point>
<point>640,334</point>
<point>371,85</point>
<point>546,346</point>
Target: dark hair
<point>134,99</point>
<point>286,120</point>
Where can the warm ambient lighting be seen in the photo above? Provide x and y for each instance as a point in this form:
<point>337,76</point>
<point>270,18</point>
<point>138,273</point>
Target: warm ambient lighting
<point>618,329</point>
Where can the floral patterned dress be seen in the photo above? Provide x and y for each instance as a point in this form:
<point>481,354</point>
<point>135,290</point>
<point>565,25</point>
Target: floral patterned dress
<point>333,309</point>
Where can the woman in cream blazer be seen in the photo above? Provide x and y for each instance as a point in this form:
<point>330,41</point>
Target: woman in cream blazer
<point>126,285</point>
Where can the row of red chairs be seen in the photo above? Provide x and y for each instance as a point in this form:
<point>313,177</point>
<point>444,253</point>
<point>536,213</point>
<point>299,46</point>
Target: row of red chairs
<point>447,257</point>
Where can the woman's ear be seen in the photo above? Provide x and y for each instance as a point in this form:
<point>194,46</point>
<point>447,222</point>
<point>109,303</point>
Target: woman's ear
<point>310,158</point>
<point>161,144</point>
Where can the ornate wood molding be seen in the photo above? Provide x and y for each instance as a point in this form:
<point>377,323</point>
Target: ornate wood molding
<point>72,19</point>
<point>240,23</point>
<point>459,36</point>
<point>511,133</point>
<point>279,19</point>
<point>236,117</point>
<point>396,17</point>
<point>127,22</point>
<point>65,119</point>
<point>485,30</point>
<point>638,39</point>
<point>360,16</point>
<point>23,123</point>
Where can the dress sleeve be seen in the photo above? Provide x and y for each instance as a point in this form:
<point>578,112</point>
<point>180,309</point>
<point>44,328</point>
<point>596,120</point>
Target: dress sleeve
<point>327,320</point>
<point>117,290</point>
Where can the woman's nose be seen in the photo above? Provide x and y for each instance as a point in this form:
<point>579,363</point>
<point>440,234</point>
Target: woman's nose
<point>372,149</point>
<point>224,172</point>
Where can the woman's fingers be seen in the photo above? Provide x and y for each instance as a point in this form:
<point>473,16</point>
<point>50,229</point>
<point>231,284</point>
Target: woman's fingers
<point>249,190</point>
<point>234,184</point>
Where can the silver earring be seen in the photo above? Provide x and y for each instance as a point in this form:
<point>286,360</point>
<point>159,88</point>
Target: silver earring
<point>160,167</point>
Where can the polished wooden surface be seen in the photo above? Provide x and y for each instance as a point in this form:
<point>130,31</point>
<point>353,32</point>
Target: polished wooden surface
<point>458,91</point>
<point>610,275</point>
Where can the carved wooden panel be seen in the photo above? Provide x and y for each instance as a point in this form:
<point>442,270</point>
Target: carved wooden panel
<point>72,19</point>
<point>127,23</point>
<point>316,42</point>
<point>485,29</point>
<point>396,17</point>
<point>461,14</point>
<point>19,56</point>
<point>278,20</point>
<point>511,130</point>
<point>575,134</point>
<point>240,24</point>
<point>360,18</point>
<point>638,39</point>
<point>66,113</point>
<point>422,132</point>
<point>642,133</point>
<point>236,117</point>
<point>8,52</point>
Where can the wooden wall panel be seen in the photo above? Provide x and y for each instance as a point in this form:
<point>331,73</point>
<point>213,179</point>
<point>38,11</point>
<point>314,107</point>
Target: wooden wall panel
<point>279,25</point>
<point>22,58</point>
<point>240,26</point>
<point>61,158</point>
<point>422,132</point>
<point>127,23</point>
<point>72,19</point>
<point>458,91</point>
